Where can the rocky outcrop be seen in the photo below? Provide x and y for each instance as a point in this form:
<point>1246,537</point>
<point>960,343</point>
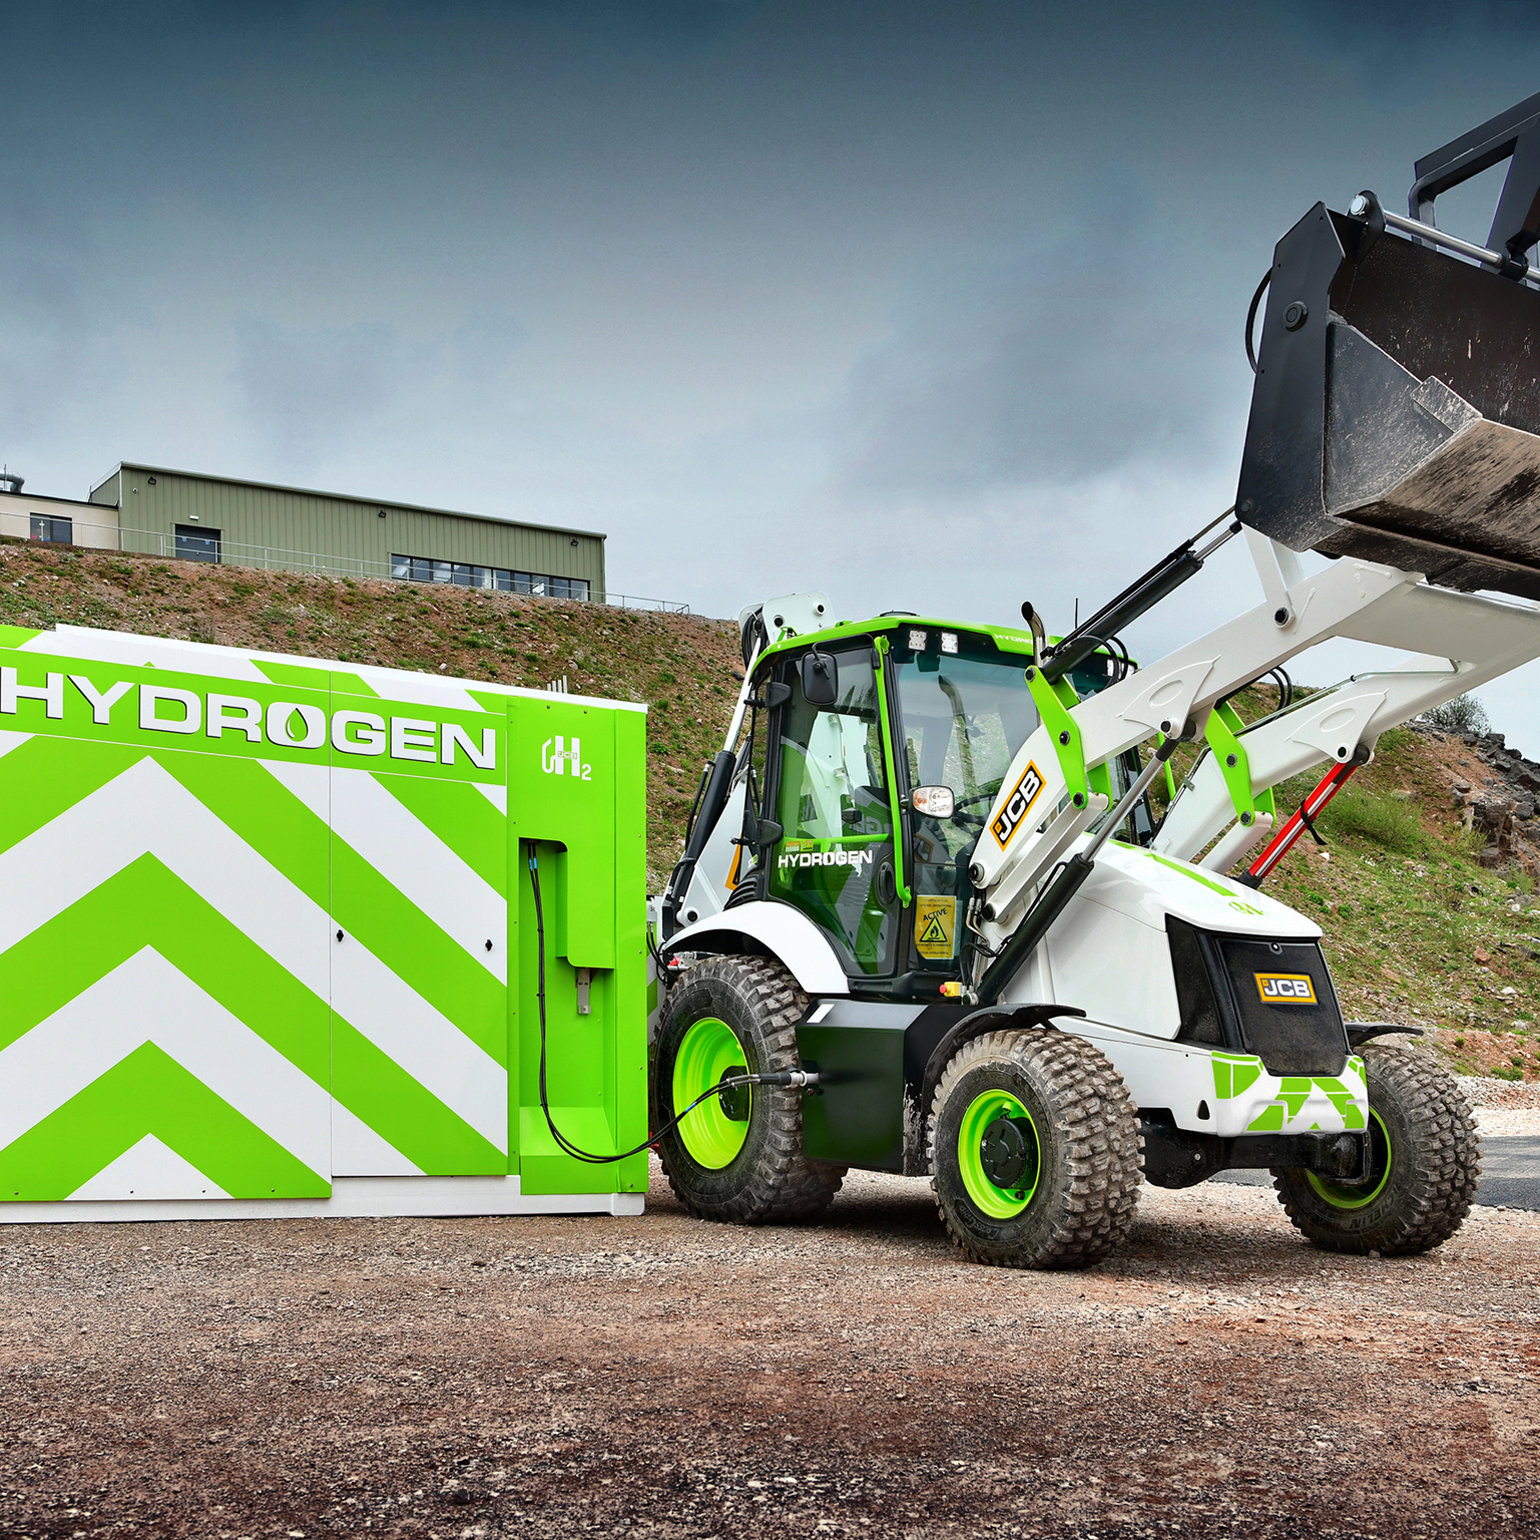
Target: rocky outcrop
<point>1504,810</point>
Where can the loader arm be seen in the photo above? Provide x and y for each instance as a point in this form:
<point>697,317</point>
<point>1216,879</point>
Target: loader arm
<point>1025,836</point>
<point>1486,638</point>
<point>1395,427</point>
<point>1454,641</point>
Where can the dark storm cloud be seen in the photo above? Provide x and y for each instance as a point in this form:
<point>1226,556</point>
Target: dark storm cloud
<point>777,294</point>
<point>1040,364</point>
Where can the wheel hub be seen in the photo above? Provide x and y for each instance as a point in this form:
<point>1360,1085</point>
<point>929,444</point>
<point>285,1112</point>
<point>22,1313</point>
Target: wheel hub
<point>1004,1153</point>
<point>734,1100</point>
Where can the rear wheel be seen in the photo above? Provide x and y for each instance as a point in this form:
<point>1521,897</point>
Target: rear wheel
<point>1424,1167</point>
<point>737,1156</point>
<point>1035,1151</point>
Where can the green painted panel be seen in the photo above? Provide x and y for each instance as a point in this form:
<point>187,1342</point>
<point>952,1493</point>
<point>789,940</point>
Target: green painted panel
<point>149,1093</point>
<point>144,905</point>
<point>462,817</point>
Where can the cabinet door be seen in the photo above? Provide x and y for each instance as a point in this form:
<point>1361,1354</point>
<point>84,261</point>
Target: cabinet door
<point>164,963</point>
<point>420,972</point>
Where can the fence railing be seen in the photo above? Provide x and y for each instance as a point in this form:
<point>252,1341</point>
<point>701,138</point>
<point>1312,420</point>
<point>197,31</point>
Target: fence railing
<point>266,558</point>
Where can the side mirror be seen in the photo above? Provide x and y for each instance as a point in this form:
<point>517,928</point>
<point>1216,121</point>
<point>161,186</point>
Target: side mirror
<point>820,679</point>
<point>935,801</point>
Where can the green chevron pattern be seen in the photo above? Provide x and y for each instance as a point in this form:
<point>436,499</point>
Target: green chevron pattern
<point>281,946</point>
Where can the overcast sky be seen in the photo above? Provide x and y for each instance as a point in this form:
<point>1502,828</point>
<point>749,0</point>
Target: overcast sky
<point>934,306</point>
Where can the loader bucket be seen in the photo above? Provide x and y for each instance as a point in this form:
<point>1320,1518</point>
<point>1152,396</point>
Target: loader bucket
<point>1396,411</point>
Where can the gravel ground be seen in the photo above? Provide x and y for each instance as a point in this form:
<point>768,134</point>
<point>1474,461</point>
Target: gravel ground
<point>663,1377</point>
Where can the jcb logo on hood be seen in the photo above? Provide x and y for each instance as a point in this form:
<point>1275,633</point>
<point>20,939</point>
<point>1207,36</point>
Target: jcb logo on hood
<point>1286,988</point>
<point>1018,805</point>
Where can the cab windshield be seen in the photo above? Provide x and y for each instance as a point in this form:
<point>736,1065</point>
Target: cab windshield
<point>964,718</point>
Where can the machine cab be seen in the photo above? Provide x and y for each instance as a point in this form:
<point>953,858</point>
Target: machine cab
<point>849,724</point>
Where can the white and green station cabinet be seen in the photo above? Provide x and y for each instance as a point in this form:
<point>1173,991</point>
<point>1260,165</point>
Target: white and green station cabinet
<point>268,941</point>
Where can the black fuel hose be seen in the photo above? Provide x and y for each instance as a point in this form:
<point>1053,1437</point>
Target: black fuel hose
<point>727,1083</point>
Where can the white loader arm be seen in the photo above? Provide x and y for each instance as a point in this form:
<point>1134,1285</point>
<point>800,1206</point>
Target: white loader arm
<point>1033,819</point>
<point>1479,639</point>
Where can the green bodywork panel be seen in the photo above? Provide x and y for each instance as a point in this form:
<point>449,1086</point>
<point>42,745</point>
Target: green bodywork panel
<point>884,714</point>
<point>1055,701</point>
<point>1223,731</point>
<point>1004,638</point>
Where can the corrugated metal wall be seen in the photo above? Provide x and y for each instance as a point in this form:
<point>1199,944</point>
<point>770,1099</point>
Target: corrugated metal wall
<point>278,520</point>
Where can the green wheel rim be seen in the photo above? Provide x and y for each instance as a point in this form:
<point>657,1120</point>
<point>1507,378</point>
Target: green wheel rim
<point>978,1134</point>
<point>709,1050</point>
<point>1345,1195</point>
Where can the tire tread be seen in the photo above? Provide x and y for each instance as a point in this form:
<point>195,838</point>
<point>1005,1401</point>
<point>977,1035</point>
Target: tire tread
<point>784,1186</point>
<point>1444,1191</point>
<point>1096,1122</point>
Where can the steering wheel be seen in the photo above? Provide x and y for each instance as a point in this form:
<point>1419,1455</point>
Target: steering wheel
<point>979,796</point>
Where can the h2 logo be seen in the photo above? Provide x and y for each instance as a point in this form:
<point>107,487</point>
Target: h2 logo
<point>557,759</point>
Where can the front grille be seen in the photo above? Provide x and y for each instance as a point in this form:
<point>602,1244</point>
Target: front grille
<point>1290,1034</point>
<point>1292,1023</point>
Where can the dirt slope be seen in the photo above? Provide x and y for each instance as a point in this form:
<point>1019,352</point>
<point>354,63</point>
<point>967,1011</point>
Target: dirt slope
<point>1418,928</point>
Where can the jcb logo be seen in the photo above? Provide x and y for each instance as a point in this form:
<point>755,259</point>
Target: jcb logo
<point>1018,805</point>
<point>1286,988</point>
<point>557,759</point>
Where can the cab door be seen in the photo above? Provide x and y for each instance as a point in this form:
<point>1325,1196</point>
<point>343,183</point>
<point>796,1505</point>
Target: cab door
<point>832,795</point>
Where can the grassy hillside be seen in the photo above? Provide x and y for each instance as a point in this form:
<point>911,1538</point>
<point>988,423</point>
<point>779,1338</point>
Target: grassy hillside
<point>1417,928</point>
<point>680,665</point>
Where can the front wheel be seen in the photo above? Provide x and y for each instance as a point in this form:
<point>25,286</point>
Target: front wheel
<point>1035,1151</point>
<point>737,1156</point>
<point>1425,1164</point>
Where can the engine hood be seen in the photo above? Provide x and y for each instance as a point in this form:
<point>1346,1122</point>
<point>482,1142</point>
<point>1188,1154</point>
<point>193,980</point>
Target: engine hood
<point>1148,887</point>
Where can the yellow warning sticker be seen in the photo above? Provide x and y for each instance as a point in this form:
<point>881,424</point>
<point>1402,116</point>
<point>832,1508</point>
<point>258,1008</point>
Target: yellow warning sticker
<point>935,926</point>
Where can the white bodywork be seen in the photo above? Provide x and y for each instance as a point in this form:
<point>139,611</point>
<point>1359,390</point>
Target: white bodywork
<point>784,932</point>
<point>1109,955</point>
<point>709,888</point>
<point>1456,641</point>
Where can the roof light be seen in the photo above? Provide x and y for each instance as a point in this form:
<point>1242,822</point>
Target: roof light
<point>917,641</point>
<point>949,641</point>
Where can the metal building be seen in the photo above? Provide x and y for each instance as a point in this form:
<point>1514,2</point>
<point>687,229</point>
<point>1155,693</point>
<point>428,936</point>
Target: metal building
<point>160,511</point>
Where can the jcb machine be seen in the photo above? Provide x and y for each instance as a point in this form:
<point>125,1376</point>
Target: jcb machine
<point>926,922</point>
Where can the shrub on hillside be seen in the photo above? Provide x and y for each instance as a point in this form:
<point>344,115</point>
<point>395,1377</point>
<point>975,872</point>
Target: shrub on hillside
<point>1388,824</point>
<point>1463,714</point>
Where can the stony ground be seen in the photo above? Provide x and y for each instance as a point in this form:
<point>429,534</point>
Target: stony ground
<point>664,1377</point>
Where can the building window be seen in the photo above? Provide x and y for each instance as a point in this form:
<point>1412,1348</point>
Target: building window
<point>423,569</point>
<point>195,544</point>
<point>59,531</point>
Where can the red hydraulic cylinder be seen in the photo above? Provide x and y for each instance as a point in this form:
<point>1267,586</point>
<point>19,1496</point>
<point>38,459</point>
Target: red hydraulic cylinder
<point>1282,842</point>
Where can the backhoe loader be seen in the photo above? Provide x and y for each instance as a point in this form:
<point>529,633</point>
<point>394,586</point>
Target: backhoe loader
<point>926,920</point>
